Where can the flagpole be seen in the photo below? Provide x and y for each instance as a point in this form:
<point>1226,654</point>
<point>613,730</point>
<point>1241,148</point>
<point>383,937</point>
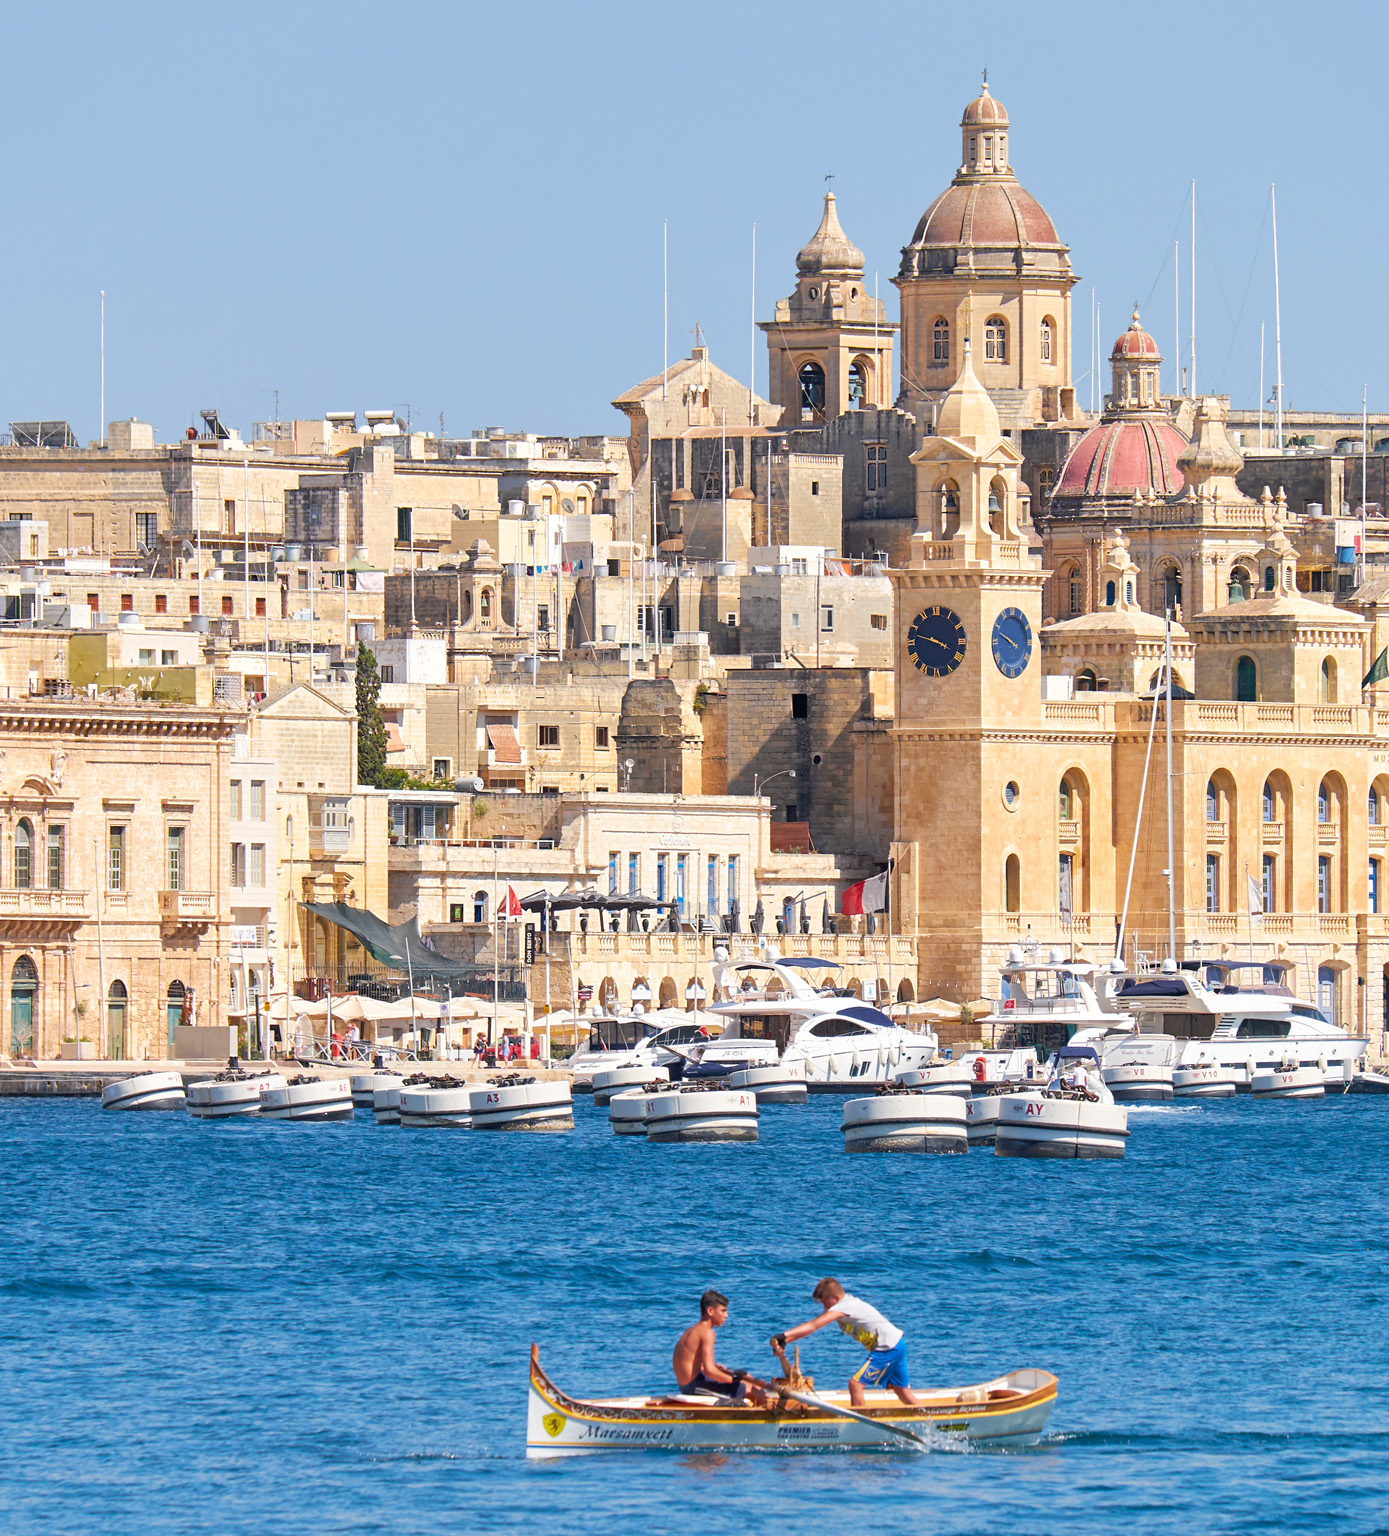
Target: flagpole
<point>1248,903</point>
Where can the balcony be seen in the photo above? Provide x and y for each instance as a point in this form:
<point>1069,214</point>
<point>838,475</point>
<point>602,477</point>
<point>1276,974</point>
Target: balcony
<point>187,911</point>
<point>42,911</point>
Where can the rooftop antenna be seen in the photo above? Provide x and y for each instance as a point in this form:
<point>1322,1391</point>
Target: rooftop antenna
<point>665,303</point>
<point>101,424</point>
<point>752,336</point>
<point>1277,330</point>
<point>1193,288</point>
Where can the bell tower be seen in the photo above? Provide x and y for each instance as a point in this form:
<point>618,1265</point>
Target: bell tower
<point>830,345</point>
<point>969,711</point>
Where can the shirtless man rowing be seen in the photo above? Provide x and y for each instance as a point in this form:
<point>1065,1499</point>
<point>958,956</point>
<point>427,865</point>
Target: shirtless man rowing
<point>696,1370</point>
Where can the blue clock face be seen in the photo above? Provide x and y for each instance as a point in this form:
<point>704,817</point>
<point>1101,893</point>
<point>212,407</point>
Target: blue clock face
<point>1012,642</point>
<point>936,641</point>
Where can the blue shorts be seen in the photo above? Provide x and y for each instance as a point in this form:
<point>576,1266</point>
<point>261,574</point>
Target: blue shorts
<point>737,1390</point>
<point>884,1368</point>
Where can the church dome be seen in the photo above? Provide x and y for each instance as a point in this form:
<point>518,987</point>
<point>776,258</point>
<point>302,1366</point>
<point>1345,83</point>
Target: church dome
<point>1117,458</point>
<point>1134,343</point>
<point>984,220</point>
<point>829,248</point>
<point>985,110</point>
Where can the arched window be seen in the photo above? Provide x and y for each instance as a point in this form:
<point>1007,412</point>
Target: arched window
<point>1172,587</point>
<point>1328,681</point>
<point>812,382</point>
<point>998,503</point>
<point>858,387</point>
<point>1047,339</point>
<point>23,855</point>
<point>1128,592</point>
<point>1075,591</point>
<point>995,339</point>
<point>479,906</point>
<point>1212,801</point>
<point>115,1021</point>
<point>1240,584</point>
<point>1270,578</point>
<point>484,604</point>
<point>1086,681</point>
<point>1268,800</point>
<point>24,984</point>
<point>1246,680</point>
<point>175,1000</point>
<point>467,604</point>
<point>949,508</point>
<point>1067,801</point>
<point>940,341</point>
<point>1109,594</point>
<point>1012,884</point>
<point>1324,802</point>
<point>1372,806</point>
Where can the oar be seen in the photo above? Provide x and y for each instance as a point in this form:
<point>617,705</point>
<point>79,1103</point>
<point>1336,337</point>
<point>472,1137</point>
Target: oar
<point>811,1401</point>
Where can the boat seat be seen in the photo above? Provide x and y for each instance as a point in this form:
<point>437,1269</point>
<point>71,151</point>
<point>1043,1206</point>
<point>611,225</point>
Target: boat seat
<point>694,1400</point>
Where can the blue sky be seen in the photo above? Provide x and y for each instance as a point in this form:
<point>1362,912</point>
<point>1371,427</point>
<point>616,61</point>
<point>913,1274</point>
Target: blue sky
<point>459,208</point>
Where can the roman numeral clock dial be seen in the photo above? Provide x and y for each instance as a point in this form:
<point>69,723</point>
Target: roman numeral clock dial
<point>936,641</point>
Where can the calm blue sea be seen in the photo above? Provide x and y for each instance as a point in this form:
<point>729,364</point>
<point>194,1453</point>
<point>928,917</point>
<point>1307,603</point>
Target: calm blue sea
<point>258,1327</point>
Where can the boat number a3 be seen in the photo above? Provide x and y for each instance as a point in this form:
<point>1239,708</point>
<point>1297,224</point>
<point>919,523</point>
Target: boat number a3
<point>494,1098</point>
<point>554,1424</point>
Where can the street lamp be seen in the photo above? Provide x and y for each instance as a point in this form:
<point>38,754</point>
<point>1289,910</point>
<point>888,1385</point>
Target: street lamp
<point>759,783</point>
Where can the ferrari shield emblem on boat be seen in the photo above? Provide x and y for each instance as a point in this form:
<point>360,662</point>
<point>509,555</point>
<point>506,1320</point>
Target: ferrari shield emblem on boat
<point>554,1424</point>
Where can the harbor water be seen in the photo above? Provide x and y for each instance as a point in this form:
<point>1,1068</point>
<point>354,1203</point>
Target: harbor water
<point>242,1326</point>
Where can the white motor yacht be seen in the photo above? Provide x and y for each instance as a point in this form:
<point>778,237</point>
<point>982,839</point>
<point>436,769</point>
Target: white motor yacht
<point>666,1038</point>
<point>1045,1003</point>
<point>1246,1025</point>
<point>1074,1116</point>
<point>773,1015</point>
<point>1136,1064</point>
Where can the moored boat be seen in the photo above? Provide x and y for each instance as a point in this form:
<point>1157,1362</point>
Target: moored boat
<point>1012,1409</point>
<point>307,1099</point>
<point>956,1077</point>
<point>514,1103</point>
<point>147,1090</point>
<point>385,1101</point>
<point>1074,1116</point>
<point>702,1114</point>
<point>1369,1082</point>
<point>1199,1075</point>
<point>627,1110</point>
<point>781,1084</point>
<point>229,1094</point>
<point>906,1120</point>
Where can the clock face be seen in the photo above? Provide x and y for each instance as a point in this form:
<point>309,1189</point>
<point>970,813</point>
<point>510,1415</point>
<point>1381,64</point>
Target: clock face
<point>936,641</point>
<point>1012,642</point>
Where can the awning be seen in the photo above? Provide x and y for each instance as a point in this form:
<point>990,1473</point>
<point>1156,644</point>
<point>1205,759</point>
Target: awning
<point>399,946</point>
<point>394,741</point>
<point>501,736</point>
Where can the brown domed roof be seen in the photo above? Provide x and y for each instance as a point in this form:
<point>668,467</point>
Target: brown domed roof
<point>994,212</point>
<point>1117,458</point>
<point>829,248</point>
<point>1135,342</point>
<point>984,111</point>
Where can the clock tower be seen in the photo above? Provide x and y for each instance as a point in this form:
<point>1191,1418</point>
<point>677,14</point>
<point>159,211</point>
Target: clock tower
<point>969,698</point>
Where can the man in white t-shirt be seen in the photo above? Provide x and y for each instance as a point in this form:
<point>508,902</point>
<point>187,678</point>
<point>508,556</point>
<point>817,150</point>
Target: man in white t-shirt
<point>886,1365</point>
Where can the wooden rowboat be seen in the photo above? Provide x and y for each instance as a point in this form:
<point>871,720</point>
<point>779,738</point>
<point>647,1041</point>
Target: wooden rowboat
<point>1010,1410</point>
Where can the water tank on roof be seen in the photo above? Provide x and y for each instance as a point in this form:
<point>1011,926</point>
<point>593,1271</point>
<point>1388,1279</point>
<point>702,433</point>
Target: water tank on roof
<point>1313,509</point>
<point>129,620</point>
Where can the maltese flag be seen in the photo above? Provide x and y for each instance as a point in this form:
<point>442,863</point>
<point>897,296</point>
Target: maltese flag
<point>511,907</point>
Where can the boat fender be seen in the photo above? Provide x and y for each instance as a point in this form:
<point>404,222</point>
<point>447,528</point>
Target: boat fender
<point>981,1069</point>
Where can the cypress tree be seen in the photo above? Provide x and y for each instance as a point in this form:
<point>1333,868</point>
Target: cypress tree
<point>371,729</point>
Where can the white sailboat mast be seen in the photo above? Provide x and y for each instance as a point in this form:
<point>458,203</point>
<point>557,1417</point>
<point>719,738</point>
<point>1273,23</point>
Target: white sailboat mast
<point>1277,330</point>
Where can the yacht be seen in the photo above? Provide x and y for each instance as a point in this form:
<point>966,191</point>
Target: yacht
<point>1245,1024</point>
<point>1074,1116</point>
<point>667,1038</point>
<point>1045,1003</point>
<point>773,1014</point>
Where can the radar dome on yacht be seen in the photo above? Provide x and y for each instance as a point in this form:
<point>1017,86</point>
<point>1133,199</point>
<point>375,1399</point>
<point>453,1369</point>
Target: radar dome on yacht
<point>1015,956</point>
<point>1056,956</point>
<point>1168,966</point>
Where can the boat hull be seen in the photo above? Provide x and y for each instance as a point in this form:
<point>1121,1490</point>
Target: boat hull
<point>1031,1125</point>
<point>385,1105</point>
<point>147,1090</point>
<point>1295,1083</point>
<point>955,1077</point>
<point>1204,1082</point>
<point>627,1112</point>
<point>981,1119</point>
<point>906,1122</point>
<point>1012,1410</point>
<point>1138,1084</point>
<point>365,1084</point>
<point>1369,1082</point>
<point>716,1115</point>
<point>308,1103</point>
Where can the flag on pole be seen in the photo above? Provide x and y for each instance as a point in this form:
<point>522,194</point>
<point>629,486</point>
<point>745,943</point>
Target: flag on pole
<point>1379,673</point>
<point>865,896</point>
<point>851,902</point>
<point>1256,897</point>
<point>511,907</point>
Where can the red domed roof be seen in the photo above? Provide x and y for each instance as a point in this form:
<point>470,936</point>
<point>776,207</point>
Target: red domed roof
<point>1117,458</point>
<point>1135,342</point>
<point>994,212</point>
<point>984,111</point>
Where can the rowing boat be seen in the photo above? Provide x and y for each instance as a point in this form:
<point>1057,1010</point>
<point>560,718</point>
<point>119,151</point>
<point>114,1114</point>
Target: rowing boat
<point>1010,1410</point>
